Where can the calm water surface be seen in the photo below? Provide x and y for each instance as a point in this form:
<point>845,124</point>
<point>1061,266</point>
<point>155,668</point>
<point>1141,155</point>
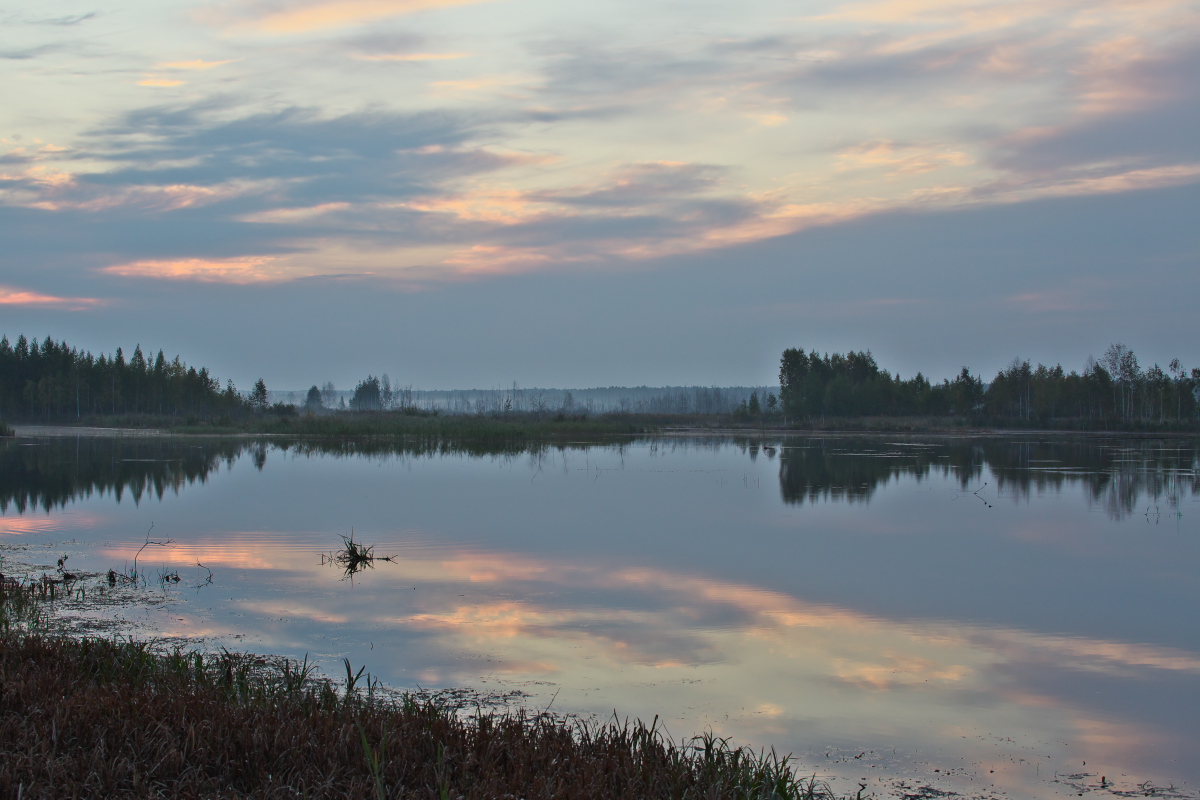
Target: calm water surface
<point>992,616</point>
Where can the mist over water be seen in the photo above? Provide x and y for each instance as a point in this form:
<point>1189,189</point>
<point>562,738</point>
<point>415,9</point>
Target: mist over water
<point>983,614</point>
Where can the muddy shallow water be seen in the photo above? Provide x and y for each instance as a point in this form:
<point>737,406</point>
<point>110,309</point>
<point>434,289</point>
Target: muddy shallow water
<point>994,616</point>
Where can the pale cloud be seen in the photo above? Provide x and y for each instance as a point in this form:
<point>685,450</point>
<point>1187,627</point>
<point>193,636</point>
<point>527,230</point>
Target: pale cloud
<point>318,16</point>
<point>409,56</point>
<point>671,193</point>
<point>160,82</point>
<point>1077,186</point>
<point>43,176</point>
<point>959,17</point>
<point>1076,53</point>
<point>498,206</point>
<point>295,215</point>
<point>487,83</point>
<point>1054,301</point>
<point>64,191</point>
<point>770,119</point>
<point>1109,76</point>
<point>657,242</point>
<point>633,212</point>
<point>773,219</point>
<point>64,21</point>
<point>245,270</point>
<point>903,159</point>
<point>195,64</point>
<point>482,259</point>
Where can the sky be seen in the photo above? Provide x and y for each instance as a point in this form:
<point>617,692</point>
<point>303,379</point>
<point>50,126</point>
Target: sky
<point>468,193</point>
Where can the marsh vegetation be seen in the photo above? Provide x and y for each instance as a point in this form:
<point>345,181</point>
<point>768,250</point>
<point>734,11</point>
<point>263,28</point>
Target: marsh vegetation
<point>102,717</point>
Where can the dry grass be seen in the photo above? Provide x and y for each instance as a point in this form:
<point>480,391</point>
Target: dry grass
<point>95,717</point>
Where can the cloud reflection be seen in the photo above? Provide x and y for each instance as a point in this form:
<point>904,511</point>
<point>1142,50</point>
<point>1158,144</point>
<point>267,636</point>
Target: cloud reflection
<point>776,664</point>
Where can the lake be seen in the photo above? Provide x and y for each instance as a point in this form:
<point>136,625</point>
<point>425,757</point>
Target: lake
<point>1005,615</point>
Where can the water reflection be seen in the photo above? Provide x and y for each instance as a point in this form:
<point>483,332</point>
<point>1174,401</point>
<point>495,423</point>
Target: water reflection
<point>51,473</point>
<point>1119,475</point>
<point>1000,707</point>
<point>813,594</point>
<point>1122,476</point>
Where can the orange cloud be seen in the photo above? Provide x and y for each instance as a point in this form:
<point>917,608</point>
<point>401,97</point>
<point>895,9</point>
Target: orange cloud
<point>17,297</point>
<point>248,269</point>
<point>159,82</point>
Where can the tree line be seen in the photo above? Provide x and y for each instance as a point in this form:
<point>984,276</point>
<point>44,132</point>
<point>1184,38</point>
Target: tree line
<point>54,381</point>
<point>1115,389</point>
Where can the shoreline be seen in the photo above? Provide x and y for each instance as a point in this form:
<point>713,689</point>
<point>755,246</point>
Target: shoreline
<point>23,431</point>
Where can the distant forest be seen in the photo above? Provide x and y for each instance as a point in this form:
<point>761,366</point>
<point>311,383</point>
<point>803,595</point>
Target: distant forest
<point>53,381</point>
<point>1114,389</point>
<point>378,394</point>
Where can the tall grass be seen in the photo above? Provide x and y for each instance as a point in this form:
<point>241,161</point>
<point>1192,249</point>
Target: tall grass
<point>98,717</point>
<point>22,606</point>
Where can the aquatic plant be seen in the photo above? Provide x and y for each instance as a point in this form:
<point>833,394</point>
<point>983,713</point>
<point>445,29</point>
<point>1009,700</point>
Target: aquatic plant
<point>353,557</point>
<point>22,604</point>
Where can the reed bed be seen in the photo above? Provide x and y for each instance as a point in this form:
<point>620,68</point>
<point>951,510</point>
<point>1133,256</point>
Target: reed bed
<point>96,717</point>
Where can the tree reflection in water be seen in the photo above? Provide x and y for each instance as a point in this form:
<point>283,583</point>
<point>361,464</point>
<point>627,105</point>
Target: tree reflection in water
<point>1124,476</point>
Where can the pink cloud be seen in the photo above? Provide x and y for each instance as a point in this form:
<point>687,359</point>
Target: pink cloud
<point>10,296</point>
<point>246,269</point>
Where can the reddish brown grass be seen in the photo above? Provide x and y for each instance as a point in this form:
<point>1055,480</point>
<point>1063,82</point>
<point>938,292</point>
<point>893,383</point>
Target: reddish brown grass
<point>100,718</point>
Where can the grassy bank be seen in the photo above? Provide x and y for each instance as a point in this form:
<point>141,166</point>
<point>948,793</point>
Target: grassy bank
<point>530,427</point>
<point>395,424</point>
<point>92,717</point>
